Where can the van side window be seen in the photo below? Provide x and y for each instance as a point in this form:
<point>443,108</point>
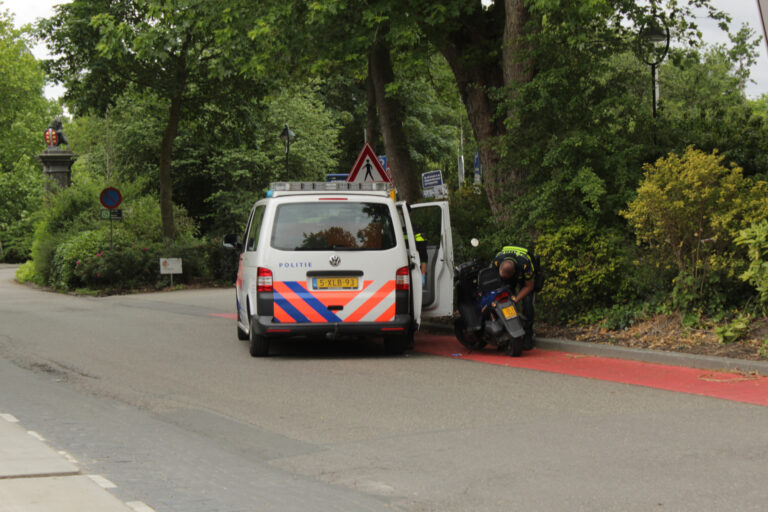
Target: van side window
<point>253,236</point>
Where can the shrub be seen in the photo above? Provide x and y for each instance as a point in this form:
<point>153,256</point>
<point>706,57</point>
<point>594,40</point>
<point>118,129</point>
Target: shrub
<point>72,245</point>
<point>586,268</point>
<point>755,239</point>
<point>687,210</point>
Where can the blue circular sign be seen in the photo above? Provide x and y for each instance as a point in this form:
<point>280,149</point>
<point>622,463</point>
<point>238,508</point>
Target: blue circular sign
<point>111,198</point>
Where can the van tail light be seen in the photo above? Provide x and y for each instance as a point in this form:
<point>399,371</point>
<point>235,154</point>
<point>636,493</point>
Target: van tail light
<point>264,280</point>
<point>402,279</point>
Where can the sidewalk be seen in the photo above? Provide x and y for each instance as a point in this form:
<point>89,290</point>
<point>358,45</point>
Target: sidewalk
<point>35,478</point>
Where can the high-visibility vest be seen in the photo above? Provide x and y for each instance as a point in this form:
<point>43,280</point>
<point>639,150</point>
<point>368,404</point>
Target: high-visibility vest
<point>517,251</point>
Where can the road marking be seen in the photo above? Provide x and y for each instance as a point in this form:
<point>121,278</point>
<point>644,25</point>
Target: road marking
<point>102,482</point>
<point>68,456</point>
<point>36,435</point>
<point>724,385</point>
<point>139,506</point>
<point>10,418</point>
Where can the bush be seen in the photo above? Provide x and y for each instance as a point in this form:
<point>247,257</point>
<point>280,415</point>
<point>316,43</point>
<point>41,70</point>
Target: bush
<point>587,268</point>
<point>26,273</point>
<point>687,210</point>
<point>72,245</point>
<point>755,239</point>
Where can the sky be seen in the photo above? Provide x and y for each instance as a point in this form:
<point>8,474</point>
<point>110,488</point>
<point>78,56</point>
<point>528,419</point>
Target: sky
<point>742,11</point>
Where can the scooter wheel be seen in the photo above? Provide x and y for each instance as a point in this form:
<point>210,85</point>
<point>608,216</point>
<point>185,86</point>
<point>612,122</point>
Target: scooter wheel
<point>515,347</point>
<point>464,337</point>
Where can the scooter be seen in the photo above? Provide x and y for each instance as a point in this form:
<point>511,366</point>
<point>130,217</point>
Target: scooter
<point>486,312</point>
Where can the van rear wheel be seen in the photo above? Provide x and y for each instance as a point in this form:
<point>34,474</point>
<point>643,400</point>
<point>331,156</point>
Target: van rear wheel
<point>259,344</point>
<point>396,345</point>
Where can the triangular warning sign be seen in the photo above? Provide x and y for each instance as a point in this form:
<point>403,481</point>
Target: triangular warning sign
<point>367,168</point>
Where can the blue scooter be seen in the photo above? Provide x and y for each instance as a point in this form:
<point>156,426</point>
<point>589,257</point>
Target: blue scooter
<point>486,312</point>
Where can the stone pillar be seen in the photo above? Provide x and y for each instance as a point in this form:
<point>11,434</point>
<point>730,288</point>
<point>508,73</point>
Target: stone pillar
<point>57,167</point>
<point>57,163</point>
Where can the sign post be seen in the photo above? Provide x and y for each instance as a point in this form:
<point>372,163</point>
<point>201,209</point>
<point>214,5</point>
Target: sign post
<point>432,184</point>
<point>111,198</point>
<point>170,266</point>
<point>367,168</point>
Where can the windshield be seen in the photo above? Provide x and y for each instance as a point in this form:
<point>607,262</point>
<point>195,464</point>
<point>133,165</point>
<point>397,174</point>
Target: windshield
<point>333,225</point>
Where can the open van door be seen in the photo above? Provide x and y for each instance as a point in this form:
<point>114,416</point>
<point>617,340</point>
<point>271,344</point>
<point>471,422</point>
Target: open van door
<point>414,263</point>
<point>433,220</point>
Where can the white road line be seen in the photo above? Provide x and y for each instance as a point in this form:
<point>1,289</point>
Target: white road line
<point>139,506</point>
<point>10,418</point>
<point>101,481</point>
<point>68,456</point>
<point>36,435</point>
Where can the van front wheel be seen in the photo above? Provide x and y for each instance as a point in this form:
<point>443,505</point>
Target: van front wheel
<point>259,343</point>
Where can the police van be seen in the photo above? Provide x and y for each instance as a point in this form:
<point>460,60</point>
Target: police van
<point>332,259</point>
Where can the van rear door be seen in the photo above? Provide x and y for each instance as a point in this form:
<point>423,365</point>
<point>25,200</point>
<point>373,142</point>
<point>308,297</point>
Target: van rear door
<point>434,219</point>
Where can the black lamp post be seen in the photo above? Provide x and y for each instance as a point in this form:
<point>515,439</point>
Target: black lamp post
<point>654,36</point>
<point>287,136</point>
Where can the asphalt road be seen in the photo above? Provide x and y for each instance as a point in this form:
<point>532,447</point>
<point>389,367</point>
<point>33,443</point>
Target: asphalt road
<point>161,398</point>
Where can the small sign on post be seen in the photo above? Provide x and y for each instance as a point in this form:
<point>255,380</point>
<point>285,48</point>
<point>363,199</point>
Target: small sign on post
<point>170,266</point>
<point>432,184</point>
<point>110,199</point>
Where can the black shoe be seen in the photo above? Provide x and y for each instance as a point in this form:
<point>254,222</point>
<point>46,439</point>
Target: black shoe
<point>528,342</point>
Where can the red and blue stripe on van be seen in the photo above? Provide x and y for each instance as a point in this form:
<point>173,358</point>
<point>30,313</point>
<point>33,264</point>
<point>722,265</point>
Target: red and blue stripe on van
<point>294,302</point>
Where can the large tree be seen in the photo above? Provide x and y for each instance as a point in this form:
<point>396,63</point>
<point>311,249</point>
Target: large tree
<point>24,114</point>
<point>186,52</point>
<point>497,51</point>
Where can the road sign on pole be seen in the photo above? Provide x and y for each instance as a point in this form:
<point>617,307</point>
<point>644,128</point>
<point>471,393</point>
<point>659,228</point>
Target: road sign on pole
<point>110,198</point>
<point>432,184</point>
<point>367,168</point>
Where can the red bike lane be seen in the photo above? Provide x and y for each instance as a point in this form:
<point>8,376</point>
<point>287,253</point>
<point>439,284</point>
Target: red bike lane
<point>751,389</point>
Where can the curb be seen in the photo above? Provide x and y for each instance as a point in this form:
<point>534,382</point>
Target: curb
<point>636,354</point>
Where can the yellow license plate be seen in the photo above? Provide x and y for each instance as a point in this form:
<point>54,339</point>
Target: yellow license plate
<point>335,283</point>
<point>509,312</point>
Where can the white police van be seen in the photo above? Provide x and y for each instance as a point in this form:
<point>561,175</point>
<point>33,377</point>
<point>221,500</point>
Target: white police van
<point>331,259</point>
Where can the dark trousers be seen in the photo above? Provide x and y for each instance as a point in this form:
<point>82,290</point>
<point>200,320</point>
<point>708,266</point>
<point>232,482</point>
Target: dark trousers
<point>528,313</point>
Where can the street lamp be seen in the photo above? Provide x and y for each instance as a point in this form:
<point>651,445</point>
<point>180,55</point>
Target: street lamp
<point>287,136</point>
<point>654,36</point>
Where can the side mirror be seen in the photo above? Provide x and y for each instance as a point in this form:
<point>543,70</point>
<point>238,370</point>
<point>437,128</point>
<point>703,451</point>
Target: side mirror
<point>232,242</point>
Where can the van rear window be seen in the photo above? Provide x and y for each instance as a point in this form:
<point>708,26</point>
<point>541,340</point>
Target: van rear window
<point>322,226</point>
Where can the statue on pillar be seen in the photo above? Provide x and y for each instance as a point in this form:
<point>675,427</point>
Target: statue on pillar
<point>54,134</point>
<point>57,162</point>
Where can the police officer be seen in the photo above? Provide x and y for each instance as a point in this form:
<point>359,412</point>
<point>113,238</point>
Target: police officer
<point>516,269</point>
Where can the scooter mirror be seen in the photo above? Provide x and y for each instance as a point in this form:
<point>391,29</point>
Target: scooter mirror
<point>474,242</point>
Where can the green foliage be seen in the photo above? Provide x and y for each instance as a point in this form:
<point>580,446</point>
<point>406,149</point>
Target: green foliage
<point>24,114</point>
<point>687,210</point>
<point>702,104</point>
<point>26,273</point>
<point>586,268</point>
<point>755,239</point>
<point>616,317</point>
<point>72,245</point>
<point>471,218</point>
<point>735,330</point>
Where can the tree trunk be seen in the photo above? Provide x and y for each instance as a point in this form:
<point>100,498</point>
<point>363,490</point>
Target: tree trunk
<point>479,77</point>
<point>166,154</point>
<point>391,121</point>
<point>474,83</point>
<point>517,67</point>
<point>372,116</point>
